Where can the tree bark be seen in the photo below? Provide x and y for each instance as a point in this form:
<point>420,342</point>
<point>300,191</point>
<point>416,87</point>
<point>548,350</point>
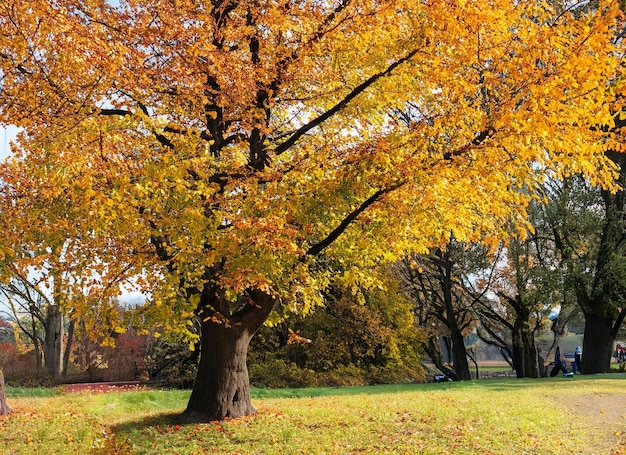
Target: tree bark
<point>531,358</point>
<point>459,354</point>
<point>53,341</point>
<point>222,386</point>
<point>4,407</point>
<point>68,348</point>
<point>36,343</point>
<point>531,365</point>
<point>524,349</point>
<point>518,354</point>
<point>597,344</point>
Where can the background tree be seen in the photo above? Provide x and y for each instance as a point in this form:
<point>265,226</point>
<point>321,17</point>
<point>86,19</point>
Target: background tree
<point>40,319</point>
<point>604,304</point>
<point>588,230</point>
<point>599,288</point>
<point>46,299</point>
<point>526,286</point>
<point>220,150</point>
<point>433,284</point>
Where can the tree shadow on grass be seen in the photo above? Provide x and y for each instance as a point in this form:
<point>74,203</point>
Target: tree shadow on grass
<point>117,439</point>
<point>164,423</point>
<point>161,422</point>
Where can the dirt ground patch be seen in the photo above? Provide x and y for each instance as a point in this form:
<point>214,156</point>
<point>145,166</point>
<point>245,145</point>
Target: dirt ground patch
<point>604,419</point>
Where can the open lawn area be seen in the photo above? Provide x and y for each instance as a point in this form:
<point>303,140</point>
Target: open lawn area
<point>584,415</point>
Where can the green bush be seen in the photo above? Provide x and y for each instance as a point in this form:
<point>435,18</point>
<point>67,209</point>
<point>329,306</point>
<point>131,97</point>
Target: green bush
<point>343,375</point>
<point>277,373</point>
<point>394,374</point>
<point>347,342</point>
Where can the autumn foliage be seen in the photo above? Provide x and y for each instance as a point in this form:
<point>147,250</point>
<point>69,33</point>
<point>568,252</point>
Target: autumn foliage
<point>232,156</point>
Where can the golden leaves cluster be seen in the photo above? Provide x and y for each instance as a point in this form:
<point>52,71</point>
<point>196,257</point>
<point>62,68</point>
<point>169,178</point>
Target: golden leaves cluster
<point>186,121</point>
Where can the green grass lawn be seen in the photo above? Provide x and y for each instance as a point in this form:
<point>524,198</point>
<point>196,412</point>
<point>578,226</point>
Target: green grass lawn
<point>507,416</point>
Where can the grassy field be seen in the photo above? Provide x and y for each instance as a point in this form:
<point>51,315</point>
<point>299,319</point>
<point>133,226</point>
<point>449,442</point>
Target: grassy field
<point>584,415</point>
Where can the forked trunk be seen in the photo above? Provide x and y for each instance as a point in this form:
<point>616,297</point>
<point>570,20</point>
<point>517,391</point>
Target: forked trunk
<point>222,386</point>
<point>597,344</point>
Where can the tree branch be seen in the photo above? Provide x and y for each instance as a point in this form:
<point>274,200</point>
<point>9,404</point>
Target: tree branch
<point>341,104</point>
<point>618,322</point>
<point>478,140</point>
<point>330,238</point>
<point>110,112</point>
<point>18,66</point>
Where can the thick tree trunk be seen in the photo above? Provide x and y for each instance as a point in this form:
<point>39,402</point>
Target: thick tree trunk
<point>525,359</point>
<point>459,353</point>
<point>53,342</point>
<point>222,386</point>
<point>531,365</point>
<point>524,348</point>
<point>461,365</point>
<point>525,351</point>
<point>4,407</point>
<point>597,344</point>
<point>518,354</point>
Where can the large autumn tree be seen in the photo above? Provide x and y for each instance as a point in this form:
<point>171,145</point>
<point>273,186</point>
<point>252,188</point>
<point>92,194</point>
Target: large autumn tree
<point>228,152</point>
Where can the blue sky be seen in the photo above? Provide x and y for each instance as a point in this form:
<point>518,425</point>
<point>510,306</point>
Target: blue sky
<point>6,134</point>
